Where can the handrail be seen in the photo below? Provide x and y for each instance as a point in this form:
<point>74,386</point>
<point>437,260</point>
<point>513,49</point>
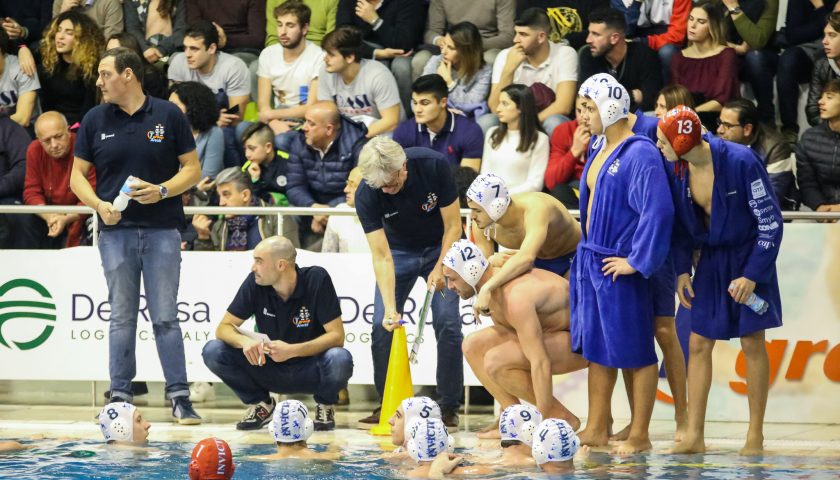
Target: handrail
<point>20,209</point>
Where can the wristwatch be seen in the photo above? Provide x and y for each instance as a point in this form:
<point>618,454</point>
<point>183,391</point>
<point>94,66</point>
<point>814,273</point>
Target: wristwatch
<point>164,192</point>
<point>736,10</point>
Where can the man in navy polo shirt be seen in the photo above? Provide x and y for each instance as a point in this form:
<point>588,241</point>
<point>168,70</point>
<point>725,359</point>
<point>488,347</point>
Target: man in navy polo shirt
<point>150,139</point>
<point>298,309</point>
<point>408,207</point>
<point>457,137</point>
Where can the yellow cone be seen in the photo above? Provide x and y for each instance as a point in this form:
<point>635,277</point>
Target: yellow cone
<point>398,385</point>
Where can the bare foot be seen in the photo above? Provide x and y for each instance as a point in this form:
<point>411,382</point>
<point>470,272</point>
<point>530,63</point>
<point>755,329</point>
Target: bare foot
<point>592,438</point>
<point>689,445</point>
<point>682,427</point>
<point>632,445</point>
<point>622,435</point>
<point>753,446</point>
<point>491,431</point>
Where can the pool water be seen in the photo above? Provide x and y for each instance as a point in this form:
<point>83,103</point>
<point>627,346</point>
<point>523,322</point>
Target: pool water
<point>168,460</point>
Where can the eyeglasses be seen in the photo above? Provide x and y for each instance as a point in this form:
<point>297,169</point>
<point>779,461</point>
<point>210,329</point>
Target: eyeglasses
<point>727,125</point>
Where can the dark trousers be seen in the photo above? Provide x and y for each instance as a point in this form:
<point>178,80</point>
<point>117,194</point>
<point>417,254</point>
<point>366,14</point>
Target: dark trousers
<point>795,67</point>
<point>323,374</point>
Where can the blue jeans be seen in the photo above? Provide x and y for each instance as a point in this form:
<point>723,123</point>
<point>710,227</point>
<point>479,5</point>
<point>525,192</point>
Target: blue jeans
<point>795,68</point>
<point>408,265</point>
<point>156,252</point>
<point>666,52</point>
<point>323,374</point>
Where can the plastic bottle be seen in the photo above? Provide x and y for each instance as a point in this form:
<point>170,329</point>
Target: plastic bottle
<point>757,304</point>
<point>121,202</point>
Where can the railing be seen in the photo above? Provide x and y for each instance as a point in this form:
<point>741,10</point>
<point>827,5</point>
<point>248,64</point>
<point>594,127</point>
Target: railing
<point>284,211</point>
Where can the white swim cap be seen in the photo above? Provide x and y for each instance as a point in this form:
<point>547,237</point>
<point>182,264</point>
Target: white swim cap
<point>518,422</point>
<point>555,441</point>
<point>467,260</point>
<point>116,420</point>
<point>418,407</point>
<point>490,191</point>
<point>428,438</point>
<point>290,422</point>
<point>612,99</point>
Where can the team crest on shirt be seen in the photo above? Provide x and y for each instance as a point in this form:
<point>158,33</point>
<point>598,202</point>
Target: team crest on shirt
<point>303,318</point>
<point>614,167</point>
<point>156,135</point>
<point>431,202</point>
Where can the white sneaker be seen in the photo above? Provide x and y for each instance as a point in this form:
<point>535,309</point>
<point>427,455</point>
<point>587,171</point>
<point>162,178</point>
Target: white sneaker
<point>202,392</point>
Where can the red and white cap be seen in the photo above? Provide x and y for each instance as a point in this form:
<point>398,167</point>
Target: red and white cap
<point>211,459</point>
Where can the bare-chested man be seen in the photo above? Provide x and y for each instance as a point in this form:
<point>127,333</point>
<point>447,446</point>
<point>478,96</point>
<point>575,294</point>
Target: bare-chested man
<point>534,224</point>
<point>529,341</point>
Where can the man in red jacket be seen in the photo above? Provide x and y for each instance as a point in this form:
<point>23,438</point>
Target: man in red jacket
<point>49,160</point>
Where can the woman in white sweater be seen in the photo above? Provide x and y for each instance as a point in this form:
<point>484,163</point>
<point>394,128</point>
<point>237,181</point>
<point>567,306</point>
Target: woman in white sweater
<point>517,150</point>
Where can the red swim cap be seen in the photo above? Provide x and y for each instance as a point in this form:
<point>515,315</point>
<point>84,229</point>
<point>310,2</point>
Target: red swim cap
<point>682,128</point>
<point>211,460</point>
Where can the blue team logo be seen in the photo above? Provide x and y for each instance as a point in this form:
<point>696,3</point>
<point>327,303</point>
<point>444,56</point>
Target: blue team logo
<point>431,202</point>
<point>303,318</point>
<point>157,135</point>
<point>614,167</point>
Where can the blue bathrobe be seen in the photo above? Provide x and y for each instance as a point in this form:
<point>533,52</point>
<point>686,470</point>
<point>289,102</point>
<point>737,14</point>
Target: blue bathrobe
<point>742,239</point>
<point>632,217</point>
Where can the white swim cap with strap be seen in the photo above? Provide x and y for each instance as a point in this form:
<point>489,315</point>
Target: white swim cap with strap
<point>489,191</point>
<point>518,422</point>
<point>116,420</point>
<point>612,99</point>
<point>467,260</point>
<point>290,422</point>
<point>554,441</point>
<point>428,438</point>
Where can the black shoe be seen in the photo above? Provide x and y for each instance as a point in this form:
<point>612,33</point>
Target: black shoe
<point>450,417</point>
<point>324,418</point>
<point>183,412</point>
<point>257,416</point>
<point>373,418</point>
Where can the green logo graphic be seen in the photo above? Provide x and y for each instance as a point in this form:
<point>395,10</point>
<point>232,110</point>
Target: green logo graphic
<point>13,309</point>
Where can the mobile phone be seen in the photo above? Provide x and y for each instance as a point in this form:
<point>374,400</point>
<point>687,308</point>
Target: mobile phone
<point>233,110</point>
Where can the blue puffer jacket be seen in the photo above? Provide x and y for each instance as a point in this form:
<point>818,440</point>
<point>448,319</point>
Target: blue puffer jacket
<point>313,180</point>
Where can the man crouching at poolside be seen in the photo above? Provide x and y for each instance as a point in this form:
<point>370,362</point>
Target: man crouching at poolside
<point>529,341</point>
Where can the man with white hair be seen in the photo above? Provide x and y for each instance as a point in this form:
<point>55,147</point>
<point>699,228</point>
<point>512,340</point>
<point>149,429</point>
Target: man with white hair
<point>408,207</point>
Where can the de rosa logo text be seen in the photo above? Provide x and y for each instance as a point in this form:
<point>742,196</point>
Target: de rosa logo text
<point>25,300</point>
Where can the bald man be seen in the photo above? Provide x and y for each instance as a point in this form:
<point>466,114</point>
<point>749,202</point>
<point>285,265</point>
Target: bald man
<point>49,160</point>
<point>321,157</point>
<point>300,345</point>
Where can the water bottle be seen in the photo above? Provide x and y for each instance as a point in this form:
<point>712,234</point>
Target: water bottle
<point>757,304</point>
<point>121,202</point>
<point>303,93</point>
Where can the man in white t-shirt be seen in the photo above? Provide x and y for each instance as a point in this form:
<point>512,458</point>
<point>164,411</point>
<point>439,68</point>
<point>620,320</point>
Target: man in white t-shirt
<point>363,90</point>
<point>17,89</point>
<point>534,59</point>
<point>287,75</point>
<point>226,75</point>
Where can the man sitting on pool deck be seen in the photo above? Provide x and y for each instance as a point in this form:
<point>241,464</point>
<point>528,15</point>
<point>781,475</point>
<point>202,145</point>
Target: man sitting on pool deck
<point>529,341</point>
<point>298,310</point>
<point>122,424</point>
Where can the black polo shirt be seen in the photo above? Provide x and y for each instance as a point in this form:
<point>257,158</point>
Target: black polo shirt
<point>411,218</point>
<point>312,305</point>
<point>146,145</point>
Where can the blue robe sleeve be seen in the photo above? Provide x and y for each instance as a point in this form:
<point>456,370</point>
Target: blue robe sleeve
<point>764,207</point>
<point>650,198</point>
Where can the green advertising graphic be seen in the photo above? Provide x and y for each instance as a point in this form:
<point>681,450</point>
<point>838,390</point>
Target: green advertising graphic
<point>34,309</point>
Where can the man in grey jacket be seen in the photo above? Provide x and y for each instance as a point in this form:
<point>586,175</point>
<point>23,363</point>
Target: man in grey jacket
<point>816,155</point>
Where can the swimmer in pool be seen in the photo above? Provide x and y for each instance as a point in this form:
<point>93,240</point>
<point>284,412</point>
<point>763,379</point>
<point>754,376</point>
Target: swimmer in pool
<point>517,425</point>
<point>411,408</point>
<point>429,444</point>
<point>291,427</point>
<point>211,460</point>
<point>8,446</point>
<point>555,446</point>
<point>123,425</point>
